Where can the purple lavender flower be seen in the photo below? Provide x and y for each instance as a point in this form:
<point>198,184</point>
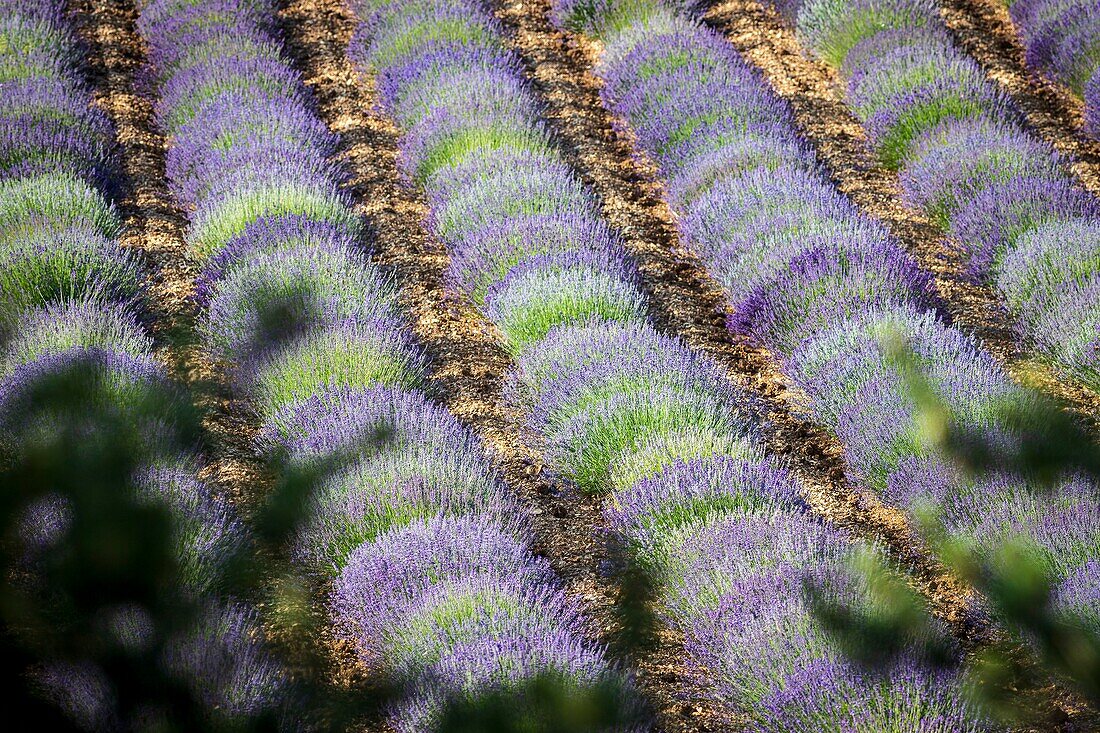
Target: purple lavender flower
<point>247,145</point>
<point>757,149</point>
<point>173,27</point>
<point>230,667</point>
<point>965,160</point>
<point>483,257</point>
<point>806,274</point>
<point>445,139</point>
<point>904,83</point>
<point>958,161</point>
<point>117,384</point>
<point>711,560</point>
<point>343,420</point>
<point>246,41</point>
<point>773,658</point>
<point>396,35</point>
<point>82,691</point>
<point>598,393</point>
<point>546,292</point>
<point>46,12</point>
<point>316,287</point>
<point>833,366</point>
<point>428,64</point>
<point>832,29</point>
<point>450,615</point>
<point>1038,270</point>
<point>269,235</point>
<point>727,635</point>
<point>391,490</point>
<point>501,664</point>
<point>42,34</point>
<point>920,43</point>
<point>348,354</point>
<point>734,213</point>
<point>880,432</point>
<point>1076,596</point>
<point>220,127</point>
<point>990,223</point>
<point>262,79</point>
<point>208,533</point>
<point>276,188</point>
<point>602,392</point>
<point>1058,525</point>
<point>408,459</point>
<point>1061,526</point>
<point>41,205</point>
<point>42,526</point>
<point>831,695</point>
<point>686,92</point>
<point>88,323</point>
<point>607,428</point>
<point>574,366</point>
<point>1092,105</point>
<point>829,285</point>
<point>498,85</point>
<point>655,454</point>
<point>1061,37</point>
<point>485,190</point>
<point>659,512</point>
<point>244,149</point>
<point>1068,333</point>
<point>50,126</point>
<point>119,378</point>
<point>880,428</point>
<point>604,17</point>
<point>385,579</point>
<point>223,660</point>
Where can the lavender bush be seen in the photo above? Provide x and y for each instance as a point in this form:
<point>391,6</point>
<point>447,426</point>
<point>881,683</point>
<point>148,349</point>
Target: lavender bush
<point>1062,39</point>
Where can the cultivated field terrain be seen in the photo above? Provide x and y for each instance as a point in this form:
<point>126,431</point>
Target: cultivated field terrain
<point>551,365</point>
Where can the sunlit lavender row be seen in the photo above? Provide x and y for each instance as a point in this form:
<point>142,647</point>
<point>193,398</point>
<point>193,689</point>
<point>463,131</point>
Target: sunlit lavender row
<point>966,161</point>
<point>70,295</point>
<point>822,286</point>
<point>424,550</point>
<point>623,412</point>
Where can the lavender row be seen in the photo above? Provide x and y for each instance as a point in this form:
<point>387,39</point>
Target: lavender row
<point>1062,39</point>
<point>426,552</point>
<point>69,294</point>
<point>624,412</point>
<point>965,160</point>
<point>821,285</point>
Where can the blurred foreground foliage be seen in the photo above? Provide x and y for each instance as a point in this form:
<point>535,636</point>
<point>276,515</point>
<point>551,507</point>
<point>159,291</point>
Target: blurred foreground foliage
<point>116,552</point>
<point>1033,644</point>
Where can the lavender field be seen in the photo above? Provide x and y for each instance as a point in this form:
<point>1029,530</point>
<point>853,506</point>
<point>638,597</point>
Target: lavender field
<point>550,365</point>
